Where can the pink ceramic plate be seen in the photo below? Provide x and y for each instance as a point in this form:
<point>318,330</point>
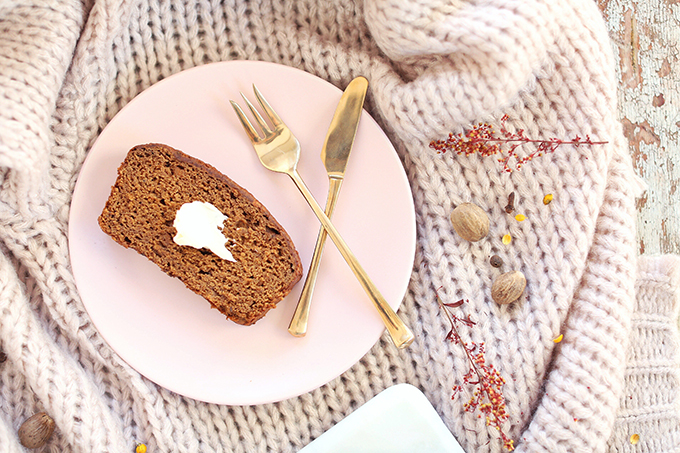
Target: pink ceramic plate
<point>169,334</point>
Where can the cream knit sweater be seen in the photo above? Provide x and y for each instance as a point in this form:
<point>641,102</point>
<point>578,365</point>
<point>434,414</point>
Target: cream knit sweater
<point>434,67</point>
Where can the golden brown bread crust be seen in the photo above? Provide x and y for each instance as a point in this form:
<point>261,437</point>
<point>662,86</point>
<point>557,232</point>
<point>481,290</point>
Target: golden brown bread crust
<point>153,182</point>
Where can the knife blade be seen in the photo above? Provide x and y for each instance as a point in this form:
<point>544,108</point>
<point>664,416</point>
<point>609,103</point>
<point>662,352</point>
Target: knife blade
<point>335,154</point>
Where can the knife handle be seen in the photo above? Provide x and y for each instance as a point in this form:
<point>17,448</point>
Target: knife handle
<point>298,324</point>
<point>399,332</point>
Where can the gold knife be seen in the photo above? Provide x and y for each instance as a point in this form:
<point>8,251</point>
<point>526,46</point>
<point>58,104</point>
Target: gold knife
<point>335,153</point>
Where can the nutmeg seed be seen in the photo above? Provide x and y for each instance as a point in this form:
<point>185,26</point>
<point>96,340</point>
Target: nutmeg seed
<point>36,430</point>
<point>508,287</point>
<point>470,222</point>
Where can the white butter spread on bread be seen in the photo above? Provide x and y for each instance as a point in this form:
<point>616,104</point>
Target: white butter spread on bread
<point>199,225</point>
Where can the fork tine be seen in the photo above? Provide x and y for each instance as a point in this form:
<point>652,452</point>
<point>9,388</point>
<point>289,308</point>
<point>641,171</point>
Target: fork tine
<point>250,130</point>
<point>276,121</point>
<point>263,124</point>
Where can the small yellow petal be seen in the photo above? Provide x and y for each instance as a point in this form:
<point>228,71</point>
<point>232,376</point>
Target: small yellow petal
<point>506,239</point>
<point>520,217</point>
<point>558,339</point>
<point>547,199</point>
<point>141,448</point>
<point>635,438</point>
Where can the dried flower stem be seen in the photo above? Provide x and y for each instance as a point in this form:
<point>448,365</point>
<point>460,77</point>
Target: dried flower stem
<point>488,396</point>
<point>483,139</point>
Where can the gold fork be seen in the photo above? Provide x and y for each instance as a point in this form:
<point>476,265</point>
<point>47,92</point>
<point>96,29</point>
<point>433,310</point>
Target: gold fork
<point>279,151</point>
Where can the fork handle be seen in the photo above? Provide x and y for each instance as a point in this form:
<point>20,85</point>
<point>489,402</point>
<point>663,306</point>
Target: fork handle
<point>298,323</point>
<point>400,333</point>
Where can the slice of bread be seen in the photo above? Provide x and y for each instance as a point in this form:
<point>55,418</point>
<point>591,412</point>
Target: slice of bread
<point>153,182</point>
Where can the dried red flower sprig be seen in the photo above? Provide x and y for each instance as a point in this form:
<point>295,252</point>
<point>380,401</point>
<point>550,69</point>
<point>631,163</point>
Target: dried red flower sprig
<point>487,396</point>
<point>484,140</point>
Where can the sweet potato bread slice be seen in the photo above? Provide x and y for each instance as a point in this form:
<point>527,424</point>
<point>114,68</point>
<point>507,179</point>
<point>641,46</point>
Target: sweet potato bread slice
<point>153,182</point>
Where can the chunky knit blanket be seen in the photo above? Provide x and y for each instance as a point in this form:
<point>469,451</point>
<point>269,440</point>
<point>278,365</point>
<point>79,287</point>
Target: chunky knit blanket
<point>435,67</point>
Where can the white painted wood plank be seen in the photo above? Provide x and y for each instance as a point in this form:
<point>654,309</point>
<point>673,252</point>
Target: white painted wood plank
<point>646,39</point>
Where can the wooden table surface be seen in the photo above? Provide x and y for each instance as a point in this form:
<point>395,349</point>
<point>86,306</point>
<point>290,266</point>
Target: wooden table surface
<point>646,40</point>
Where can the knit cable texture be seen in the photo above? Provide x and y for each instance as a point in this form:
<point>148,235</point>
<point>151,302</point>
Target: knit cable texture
<point>434,67</point>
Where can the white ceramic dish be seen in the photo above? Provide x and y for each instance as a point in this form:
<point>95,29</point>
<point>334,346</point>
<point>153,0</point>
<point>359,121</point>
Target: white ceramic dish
<point>169,334</point>
<point>400,419</point>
